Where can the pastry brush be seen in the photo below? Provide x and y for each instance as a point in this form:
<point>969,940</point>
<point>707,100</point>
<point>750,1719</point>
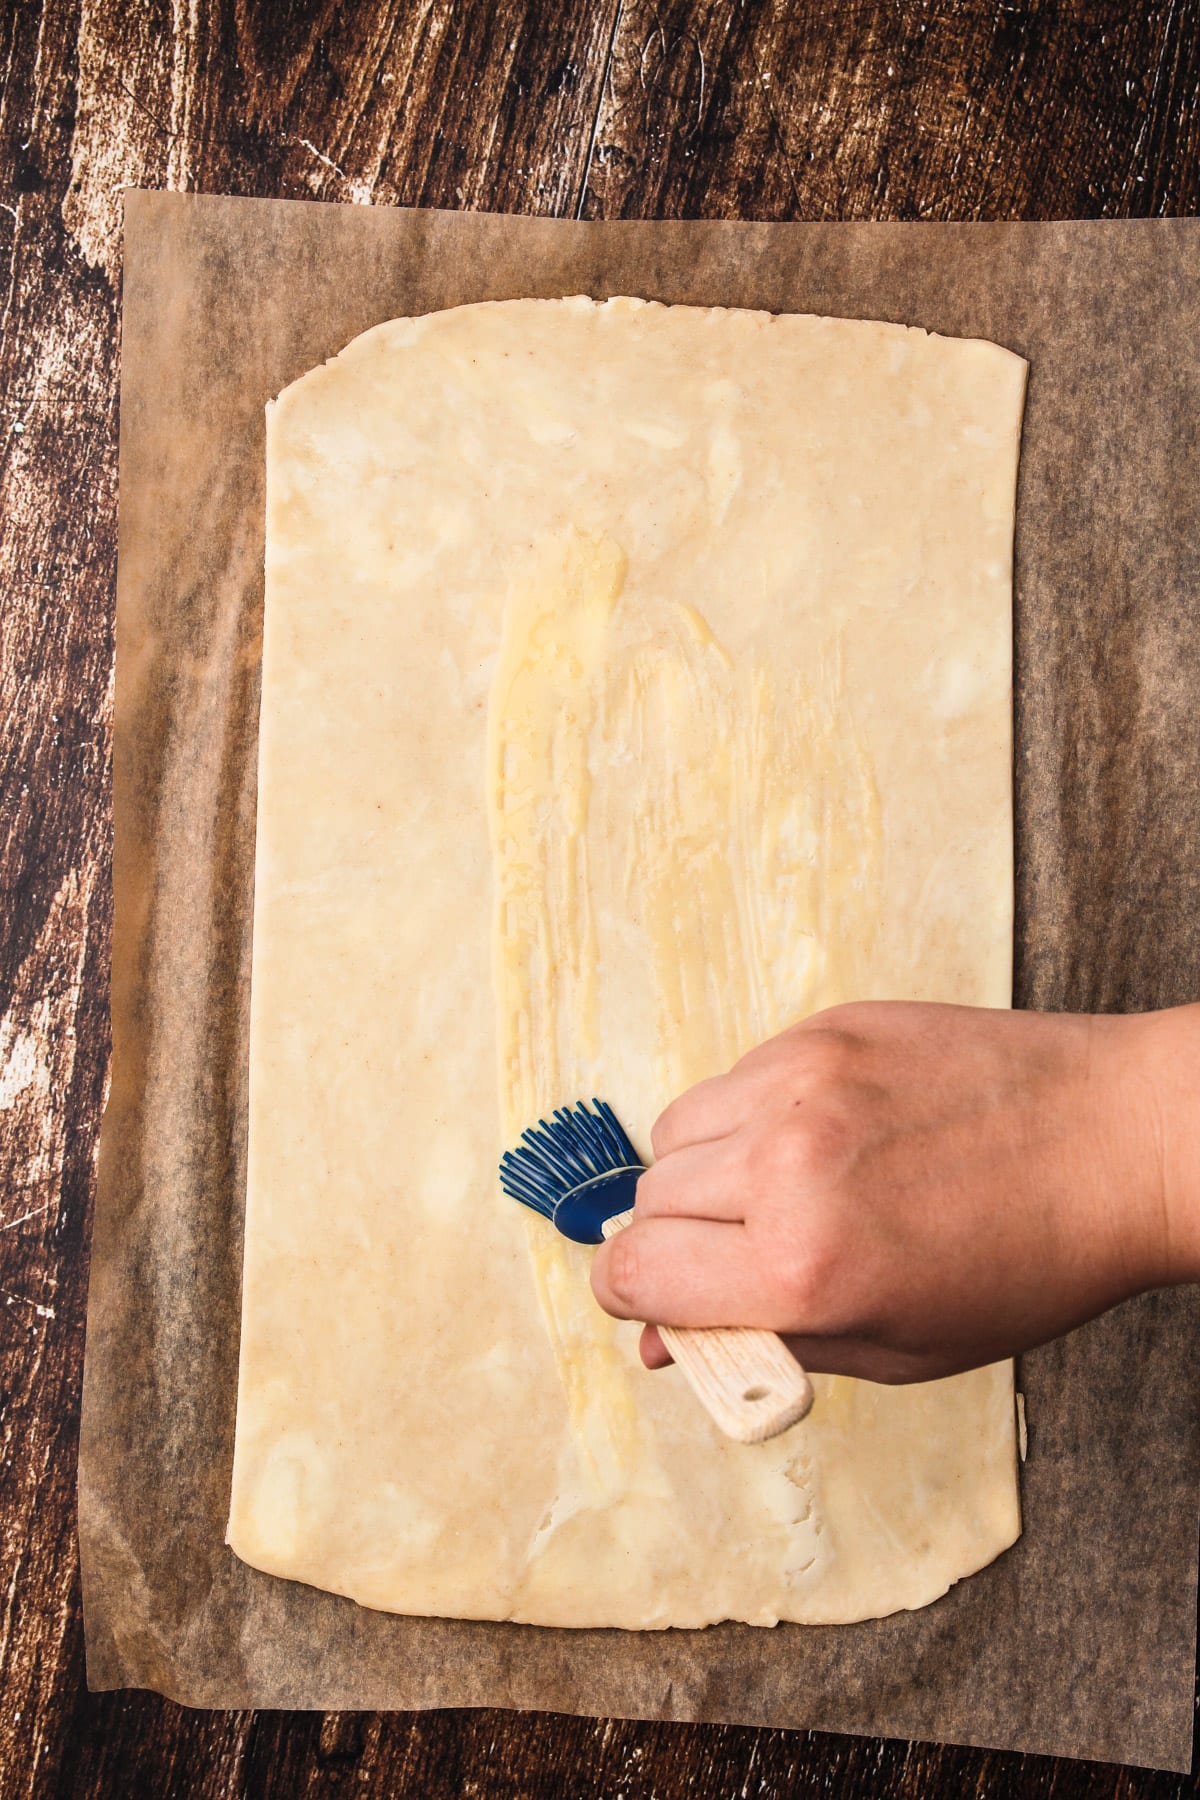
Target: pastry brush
<point>580,1171</point>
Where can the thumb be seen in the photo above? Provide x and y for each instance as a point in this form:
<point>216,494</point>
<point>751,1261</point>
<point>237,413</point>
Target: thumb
<point>654,1352</point>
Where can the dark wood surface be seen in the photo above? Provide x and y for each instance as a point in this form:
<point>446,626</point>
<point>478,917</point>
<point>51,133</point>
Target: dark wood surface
<point>774,109</point>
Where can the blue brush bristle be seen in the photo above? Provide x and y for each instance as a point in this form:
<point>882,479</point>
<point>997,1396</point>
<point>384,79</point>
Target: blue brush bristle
<point>561,1155</point>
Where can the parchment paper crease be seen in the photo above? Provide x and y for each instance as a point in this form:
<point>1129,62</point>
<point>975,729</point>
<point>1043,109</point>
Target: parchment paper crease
<point>1081,1640</point>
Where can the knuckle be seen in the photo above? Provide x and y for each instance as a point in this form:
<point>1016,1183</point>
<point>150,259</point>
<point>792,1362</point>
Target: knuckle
<point>830,1054</point>
<point>805,1271</point>
<point>805,1152</point>
<point>762,1055</point>
<point>848,1019</point>
<point>789,1157</point>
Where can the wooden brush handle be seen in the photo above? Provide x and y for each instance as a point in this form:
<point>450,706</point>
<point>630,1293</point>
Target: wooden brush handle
<point>749,1381</point>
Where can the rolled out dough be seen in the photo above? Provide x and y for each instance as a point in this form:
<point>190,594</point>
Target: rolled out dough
<point>635,681</point>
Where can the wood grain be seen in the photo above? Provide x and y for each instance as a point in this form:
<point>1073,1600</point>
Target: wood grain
<point>742,108</point>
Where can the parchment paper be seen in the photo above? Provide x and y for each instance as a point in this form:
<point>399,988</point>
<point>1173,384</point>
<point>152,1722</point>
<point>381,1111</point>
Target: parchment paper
<point>1080,1640</point>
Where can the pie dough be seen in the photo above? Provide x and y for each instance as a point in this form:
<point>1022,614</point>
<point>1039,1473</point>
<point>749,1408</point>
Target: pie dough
<point>636,680</point>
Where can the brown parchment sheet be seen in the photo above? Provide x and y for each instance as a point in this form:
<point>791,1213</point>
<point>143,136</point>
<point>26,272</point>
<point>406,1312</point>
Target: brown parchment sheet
<point>1081,1639</point>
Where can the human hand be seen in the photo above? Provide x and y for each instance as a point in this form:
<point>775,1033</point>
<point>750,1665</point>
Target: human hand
<point>907,1190</point>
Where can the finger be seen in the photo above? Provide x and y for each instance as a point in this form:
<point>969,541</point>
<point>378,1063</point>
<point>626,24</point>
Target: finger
<point>699,1181</point>
<point>817,1356</point>
<point>825,1356</point>
<point>704,1112</point>
<point>861,1359</point>
<point>778,1071</point>
<point>682,1272</point>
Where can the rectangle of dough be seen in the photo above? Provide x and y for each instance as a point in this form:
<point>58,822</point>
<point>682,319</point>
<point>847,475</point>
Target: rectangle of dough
<point>635,680</point>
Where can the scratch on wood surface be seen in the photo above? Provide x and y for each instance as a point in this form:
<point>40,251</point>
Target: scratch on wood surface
<point>1165,62</point>
<point>34,1212</point>
<point>112,141</point>
<point>1172,45</point>
<point>41,1312</point>
<point>659,33</point>
<point>10,293</point>
<point>271,81</point>
<point>603,88</point>
<point>366,73</point>
<point>19,1061</point>
<point>10,1594</point>
<point>777,130</point>
<point>322,158</point>
<point>37,1042</point>
<point>185,57</point>
<point>699,119</point>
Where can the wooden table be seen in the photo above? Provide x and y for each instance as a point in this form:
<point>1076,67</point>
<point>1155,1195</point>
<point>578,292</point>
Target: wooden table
<point>774,109</point>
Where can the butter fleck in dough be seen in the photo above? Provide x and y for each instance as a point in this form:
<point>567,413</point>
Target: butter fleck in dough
<point>636,680</point>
